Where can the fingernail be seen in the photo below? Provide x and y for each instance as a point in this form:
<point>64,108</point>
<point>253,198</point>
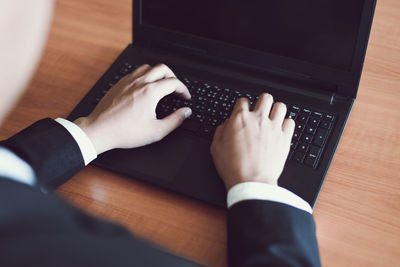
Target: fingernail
<point>188,112</point>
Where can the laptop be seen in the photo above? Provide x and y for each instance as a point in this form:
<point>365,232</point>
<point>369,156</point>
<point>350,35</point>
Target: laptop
<point>307,54</point>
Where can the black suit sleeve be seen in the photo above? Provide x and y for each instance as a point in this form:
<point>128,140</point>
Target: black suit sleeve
<point>265,233</point>
<point>39,229</point>
<point>49,232</point>
<point>51,151</point>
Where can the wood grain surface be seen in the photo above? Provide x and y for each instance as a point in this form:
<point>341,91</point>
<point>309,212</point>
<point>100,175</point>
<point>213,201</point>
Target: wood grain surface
<point>358,212</point>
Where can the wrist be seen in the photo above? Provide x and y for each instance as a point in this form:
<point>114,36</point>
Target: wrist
<point>90,130</point>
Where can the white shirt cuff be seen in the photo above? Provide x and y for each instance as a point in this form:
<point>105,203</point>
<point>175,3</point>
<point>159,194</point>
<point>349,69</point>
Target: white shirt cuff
<point>16,169</point>
<point>85,145</point>
<point>262,191</point>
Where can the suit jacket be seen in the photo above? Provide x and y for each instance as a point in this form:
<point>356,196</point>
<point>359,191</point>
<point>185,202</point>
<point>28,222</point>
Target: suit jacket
<point>39,229</point>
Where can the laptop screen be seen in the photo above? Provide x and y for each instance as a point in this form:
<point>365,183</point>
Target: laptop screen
<point>322,32</point>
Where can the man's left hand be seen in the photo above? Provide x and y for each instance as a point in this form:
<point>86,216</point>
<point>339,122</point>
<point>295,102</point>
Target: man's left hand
<point>126,116</point>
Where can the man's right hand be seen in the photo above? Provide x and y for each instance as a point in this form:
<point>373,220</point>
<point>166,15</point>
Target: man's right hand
<point>252,146</point>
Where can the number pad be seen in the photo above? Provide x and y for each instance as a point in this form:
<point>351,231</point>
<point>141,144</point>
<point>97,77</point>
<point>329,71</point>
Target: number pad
<point>311,134</point>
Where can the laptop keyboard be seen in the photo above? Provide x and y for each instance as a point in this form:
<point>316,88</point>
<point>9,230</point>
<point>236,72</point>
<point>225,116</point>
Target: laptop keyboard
<point>212,104</point>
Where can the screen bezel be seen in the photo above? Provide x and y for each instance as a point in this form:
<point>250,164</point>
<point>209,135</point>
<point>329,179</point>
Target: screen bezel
<point>345,81</point>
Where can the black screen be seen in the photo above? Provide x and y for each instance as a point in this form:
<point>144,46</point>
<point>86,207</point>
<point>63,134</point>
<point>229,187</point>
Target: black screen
<point>323,32</point>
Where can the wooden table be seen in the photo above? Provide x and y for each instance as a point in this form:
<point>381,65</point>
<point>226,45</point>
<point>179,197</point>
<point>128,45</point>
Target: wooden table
<point>358,212</point>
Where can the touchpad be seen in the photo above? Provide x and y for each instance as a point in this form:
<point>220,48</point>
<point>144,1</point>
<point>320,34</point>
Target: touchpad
<point>162,160</point>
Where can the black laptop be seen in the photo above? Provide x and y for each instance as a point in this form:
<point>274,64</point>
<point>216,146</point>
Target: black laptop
<point>307,53</point>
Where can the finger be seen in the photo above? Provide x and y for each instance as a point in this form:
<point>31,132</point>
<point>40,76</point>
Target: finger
<point>169,86</point>
<point>140,71</point>
<point>158,72</point>
<point>218,135</point>
<point>264,104</point>
<point>242,104</point>
<point>288,127</point>
<point>278,113</point>
<point>173,121</point>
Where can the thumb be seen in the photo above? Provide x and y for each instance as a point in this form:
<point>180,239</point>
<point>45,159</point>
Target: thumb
<point>174,120</point>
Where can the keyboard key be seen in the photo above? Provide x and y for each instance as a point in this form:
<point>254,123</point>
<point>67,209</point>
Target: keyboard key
<point>312,156</point>
<point>320,137</point>
<point>310,161</point>
<point>314,121</point>
<point>129,66</point>
<point>314,151</point>
<point>303,147</point>
<point>199,118</point>
<point>329,117</point>
<point>237,94</point>
<point>295,109</point>
<point>187,103</point>
<point>214,103</point>
<point>293,144</point>
<point>307,138</point>
<point>223,115</point>
<point>317,115</point>
<point>185,79</point>
<point>293,112</point>
<point>296,135</point>
<point>292,115</point>
<point>299,126</point>
<point>311,129</point>
<point>298,156</point>
<point>213,121</point>
<point>125,71</point>
<point>216,88</point>
<point>303,117</point>
<point>326,124</point>
<point>117,77</point>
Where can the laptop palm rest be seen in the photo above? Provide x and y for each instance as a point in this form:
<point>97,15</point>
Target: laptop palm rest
<point>162,160</point>
<point>179,162</point>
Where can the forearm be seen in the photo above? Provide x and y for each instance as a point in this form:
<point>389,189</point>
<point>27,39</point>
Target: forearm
<point>50,149</point>
<point>267,233</point>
